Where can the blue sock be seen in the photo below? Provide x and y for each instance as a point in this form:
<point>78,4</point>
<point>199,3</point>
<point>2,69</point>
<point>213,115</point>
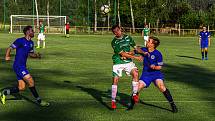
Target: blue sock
<point>168,96</point>
<point>35,94</point>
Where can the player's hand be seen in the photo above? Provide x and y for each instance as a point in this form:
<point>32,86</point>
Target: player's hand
<point>7,58</point>
<point>139,58</point>
<point>123,58</point>
<point>152,66</point>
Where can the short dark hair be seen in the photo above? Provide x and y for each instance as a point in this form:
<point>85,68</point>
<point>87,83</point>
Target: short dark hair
<point>156,41</point>
<point>115,26</point>
<point>26,29</point>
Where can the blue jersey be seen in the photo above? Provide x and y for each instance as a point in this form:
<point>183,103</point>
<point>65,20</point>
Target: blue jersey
<point>150,75</point>
<point>204,36</point>
<point>153,58</point>
<point>23,48</point>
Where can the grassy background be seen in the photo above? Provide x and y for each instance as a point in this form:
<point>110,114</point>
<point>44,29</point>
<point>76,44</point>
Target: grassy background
<point>75,76</point>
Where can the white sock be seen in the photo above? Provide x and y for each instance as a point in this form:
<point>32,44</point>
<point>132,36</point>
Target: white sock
<point>44,44</point>
<point>114,92</point>
<point>135,86</point>
<point>38,43</point>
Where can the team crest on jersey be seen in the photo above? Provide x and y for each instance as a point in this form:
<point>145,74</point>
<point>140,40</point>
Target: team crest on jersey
<point>23,72</point>
<point>152,57</point>
<point>25,45</point>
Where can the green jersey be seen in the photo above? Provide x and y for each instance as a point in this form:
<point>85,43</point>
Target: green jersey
<point>42,28</point>
<point>146,31</point>
<point>122,45</point>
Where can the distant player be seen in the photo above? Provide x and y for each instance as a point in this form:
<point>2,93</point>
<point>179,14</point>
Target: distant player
<point>67,29</point>
<point>204,42</point>
<point>145,34</point>
<point>122,61</point>
<point>151,72</point>
<point>24,48</point>
<point>41,37</point>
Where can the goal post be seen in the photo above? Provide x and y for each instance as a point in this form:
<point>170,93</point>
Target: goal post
<point>53,24</point>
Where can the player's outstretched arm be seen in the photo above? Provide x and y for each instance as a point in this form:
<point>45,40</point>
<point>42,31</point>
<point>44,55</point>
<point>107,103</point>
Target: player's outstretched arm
<point>127,55</point>
<point>35,55</point>
<point>7,55</point>
<point>140,51</point>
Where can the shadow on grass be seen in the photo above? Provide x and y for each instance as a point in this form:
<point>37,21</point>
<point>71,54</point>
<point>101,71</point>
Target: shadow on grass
<point>155,106</point>
<point>183,56</point>
<point>99,95</point>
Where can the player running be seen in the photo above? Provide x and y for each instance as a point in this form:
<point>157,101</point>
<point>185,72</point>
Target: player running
<point>204,42</point>
<point>153,63</point>
<point>145,34</point>
<point>41,36</point>
<point>24,48</point>
<point>122,61</point>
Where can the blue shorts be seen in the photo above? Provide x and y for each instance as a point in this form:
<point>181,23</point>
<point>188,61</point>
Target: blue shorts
<point>148,77</point>
<point>20,71</point>
<point>204,44</point>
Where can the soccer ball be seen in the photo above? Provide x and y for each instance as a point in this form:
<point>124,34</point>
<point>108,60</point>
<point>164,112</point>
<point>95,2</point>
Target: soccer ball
<point>105,9</point>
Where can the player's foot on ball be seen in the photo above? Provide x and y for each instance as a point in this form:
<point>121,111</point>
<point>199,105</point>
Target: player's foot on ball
<point>174,108</point>
<point>3,98</point>
<point>43,103</point>
<point>113,105</point>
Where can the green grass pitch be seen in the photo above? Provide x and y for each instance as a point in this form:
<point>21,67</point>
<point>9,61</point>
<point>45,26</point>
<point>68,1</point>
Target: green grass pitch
<point>75,76</point>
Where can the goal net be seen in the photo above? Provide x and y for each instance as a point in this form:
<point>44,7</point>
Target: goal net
<point>53,24</point>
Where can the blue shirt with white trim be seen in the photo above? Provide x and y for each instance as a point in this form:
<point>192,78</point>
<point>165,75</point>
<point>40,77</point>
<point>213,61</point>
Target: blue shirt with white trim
<point>23,48</point>
<point>153,58</point>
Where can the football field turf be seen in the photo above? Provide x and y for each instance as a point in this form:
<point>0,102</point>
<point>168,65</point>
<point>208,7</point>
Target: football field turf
<point>75,76</point>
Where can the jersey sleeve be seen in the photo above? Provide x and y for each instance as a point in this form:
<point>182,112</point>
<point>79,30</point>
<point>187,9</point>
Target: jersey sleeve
<point>159,59</point>
<point>132,43</point>
<point>16,44</point>
<point>209,34</point>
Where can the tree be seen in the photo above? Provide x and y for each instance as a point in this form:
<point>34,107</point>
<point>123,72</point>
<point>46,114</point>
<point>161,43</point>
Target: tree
<point>132,17</point>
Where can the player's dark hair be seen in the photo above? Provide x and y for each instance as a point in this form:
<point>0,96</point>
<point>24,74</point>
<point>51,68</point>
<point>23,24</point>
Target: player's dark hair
<point>115,26</point>
<point>118,26</point>
<point>26,29</point>
<point>156,41</point>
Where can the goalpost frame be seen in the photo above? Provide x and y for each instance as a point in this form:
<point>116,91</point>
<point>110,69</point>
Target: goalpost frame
<point>34,16</point>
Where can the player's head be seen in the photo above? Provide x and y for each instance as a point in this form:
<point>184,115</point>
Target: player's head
<point>146,26</point>
<point>153,42</point>
<point>41,22</point>
<point>204,28</point>
<point>117,30</point>
<point>28,31</point>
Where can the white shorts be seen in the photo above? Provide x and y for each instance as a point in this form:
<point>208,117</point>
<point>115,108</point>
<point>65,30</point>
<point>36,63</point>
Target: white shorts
<point>128,67</point>
<point>146,38</point>
<point>41,36</point>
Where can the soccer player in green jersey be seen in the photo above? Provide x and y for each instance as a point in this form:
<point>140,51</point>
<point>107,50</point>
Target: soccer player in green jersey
<point>122,61</point>
<point>41,36</point>
<point>145,34</point>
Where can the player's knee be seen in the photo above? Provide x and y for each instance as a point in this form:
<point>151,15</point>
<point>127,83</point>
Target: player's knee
<point>135,74</point>
<point>21,87</point>
<point>162,88</point>
<point>115,80</point>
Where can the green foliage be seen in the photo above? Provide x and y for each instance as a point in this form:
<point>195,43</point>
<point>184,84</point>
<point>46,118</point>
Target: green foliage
<point>168,12</point>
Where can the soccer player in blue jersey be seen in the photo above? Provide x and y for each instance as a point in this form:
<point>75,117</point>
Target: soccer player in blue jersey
<point>204,42</point>
<point>24,48</point>
<point>153,63</point>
